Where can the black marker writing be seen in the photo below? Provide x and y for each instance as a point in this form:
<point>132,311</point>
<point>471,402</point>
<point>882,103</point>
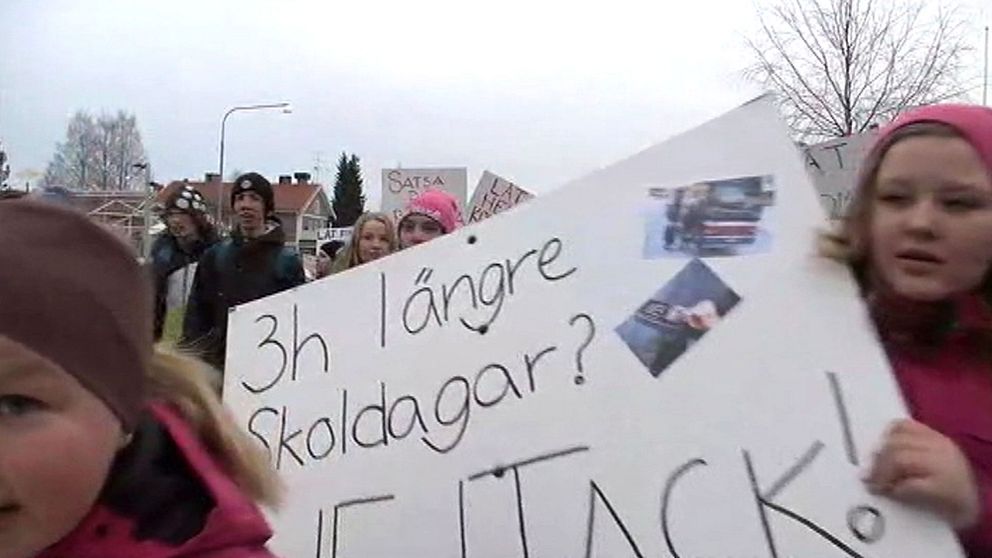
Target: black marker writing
<point>284,441</point>
<point>504,379</point>
<point>255,433</point>
<point>398,181</point>
<point>298,345</point>
<point>837,203</point>
<point>440,419</point>
<point>500,471</point>
<point>270,342</point>
<point>323,425</point>
<point>382,310</point>
<point>793,472</point>
<point>837,151</point>
<point>845,419</point>
<point>666,501</point>
<point>494,200</point>
<point>531,364</point>
<point>764,505</point>
<point>336,521</point>
<point>461,415</point>
<point>596,494</point>
<point>468,294</point>
<point>461,517</point>
<point>314,340</point>
<point>866,523</point>
<point>591,327</point>
<point>837,148</point>
<point>374,410</point>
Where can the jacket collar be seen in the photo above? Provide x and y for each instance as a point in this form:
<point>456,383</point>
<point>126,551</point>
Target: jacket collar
<point>234,522</point>
<point>906,321</point>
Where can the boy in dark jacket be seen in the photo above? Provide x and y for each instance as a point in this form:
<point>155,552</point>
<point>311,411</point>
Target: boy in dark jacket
<point>252,264</point>
<point>175,254</point>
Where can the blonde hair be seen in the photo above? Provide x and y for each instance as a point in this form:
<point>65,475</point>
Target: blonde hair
<point>192,386</point>
<point>356,234</point>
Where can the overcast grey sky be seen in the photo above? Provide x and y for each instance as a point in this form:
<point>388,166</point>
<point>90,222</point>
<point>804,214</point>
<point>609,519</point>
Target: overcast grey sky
<point>537,91</point>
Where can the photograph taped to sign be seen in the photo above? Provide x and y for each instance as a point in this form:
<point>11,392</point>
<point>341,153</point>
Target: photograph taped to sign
<point>477,401</point>
<point>677,316</point>
<point>726,217</point>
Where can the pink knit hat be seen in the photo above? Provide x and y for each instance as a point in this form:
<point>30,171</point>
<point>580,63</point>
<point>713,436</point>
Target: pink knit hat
<point>438,205</point>
<point>973,122</point>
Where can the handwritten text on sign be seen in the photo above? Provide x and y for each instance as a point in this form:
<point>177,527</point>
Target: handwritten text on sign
<point>472,397</point>
<point>440,415</point>
<point>472,301</point>
<point>494,195</point>
<point>399,186</point>
<point>833,167</point>
<point>341,234</point>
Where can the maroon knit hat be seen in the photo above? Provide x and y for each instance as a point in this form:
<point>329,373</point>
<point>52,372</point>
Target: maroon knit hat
<point>75,294</point>
<point>974,122</point>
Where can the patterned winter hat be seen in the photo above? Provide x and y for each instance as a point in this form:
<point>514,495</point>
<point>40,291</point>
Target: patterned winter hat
<point>187,199</point>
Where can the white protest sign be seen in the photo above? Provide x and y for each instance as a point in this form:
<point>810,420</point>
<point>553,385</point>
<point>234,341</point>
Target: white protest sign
<point>333,233</point>
<point>494,195</point>
<point>537,386</point>
<point>833,167</point>
<point>309,266</point>
<point>399,186</point>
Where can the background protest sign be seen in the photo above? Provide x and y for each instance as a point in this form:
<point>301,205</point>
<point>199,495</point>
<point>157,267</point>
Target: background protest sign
<point>333,233</point>
<point>833,167</point>
<point>535,386</point>
<point>494,195</point>
<point>401,185</point>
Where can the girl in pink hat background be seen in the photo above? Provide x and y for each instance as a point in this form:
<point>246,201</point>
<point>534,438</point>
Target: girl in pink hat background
<point>432,214</point>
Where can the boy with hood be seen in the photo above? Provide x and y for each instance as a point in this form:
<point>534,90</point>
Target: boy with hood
<point>252,264</point>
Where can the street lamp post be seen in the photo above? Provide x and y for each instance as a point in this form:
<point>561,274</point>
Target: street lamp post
<point>146,213</point>
<point>223,131</point>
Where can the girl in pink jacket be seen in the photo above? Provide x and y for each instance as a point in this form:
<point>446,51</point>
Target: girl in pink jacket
<point>919,238</point>
<point>108,448</point>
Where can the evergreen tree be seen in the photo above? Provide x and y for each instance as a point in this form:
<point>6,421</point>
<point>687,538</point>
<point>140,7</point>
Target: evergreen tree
<point>349,199</point>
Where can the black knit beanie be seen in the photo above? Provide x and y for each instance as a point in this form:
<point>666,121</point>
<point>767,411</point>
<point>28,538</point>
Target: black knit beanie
<point>254,182</point>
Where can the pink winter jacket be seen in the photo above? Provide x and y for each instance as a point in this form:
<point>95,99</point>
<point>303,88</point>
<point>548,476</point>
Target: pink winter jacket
<point>232,526</point>
<point>948,386</point>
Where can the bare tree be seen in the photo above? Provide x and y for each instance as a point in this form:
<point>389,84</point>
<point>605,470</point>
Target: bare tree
<point>73,164</point>
<point>129,151</point>
<point>106,137</point>
<point>841,66</point>
<point>98,154</point>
